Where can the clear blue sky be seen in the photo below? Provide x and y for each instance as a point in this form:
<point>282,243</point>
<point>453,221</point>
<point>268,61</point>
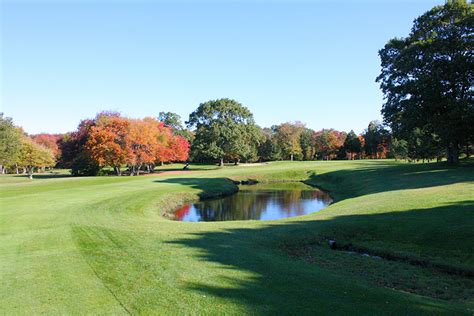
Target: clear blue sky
<point>63,61</point>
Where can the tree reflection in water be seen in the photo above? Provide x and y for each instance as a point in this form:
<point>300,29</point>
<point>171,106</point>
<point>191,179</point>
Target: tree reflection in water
<point>257,202</point>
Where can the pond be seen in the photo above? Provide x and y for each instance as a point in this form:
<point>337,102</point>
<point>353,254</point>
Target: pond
<point>257,202</point>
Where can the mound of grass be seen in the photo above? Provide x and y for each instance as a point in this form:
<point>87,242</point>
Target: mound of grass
<point>101,244</point>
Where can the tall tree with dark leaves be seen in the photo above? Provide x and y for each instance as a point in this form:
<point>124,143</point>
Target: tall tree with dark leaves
<point>352,145</point>
<point>428,77</point>
<point>376,140</point>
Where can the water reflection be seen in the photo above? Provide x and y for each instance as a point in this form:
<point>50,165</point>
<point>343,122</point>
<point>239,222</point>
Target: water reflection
<point>257,202</point>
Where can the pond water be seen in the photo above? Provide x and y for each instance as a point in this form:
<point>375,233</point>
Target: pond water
<point>257,202</point>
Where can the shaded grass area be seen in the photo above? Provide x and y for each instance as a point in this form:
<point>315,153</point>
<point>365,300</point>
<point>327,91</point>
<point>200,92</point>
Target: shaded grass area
<point>100,245</point>
<point>250,279</point>
<point>383,177</point>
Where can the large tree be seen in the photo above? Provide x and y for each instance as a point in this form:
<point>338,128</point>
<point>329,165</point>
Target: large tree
<point>224,129</point>
<point>427,77</point>
<point>107,142</point>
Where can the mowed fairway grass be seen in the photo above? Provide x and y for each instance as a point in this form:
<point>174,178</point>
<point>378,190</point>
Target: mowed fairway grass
<point>101,245</point>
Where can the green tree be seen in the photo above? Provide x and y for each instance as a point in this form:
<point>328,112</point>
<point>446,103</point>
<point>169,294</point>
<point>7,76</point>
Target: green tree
<point>10,142</point>
<point>422,144</point>
<point>307,143</point>
<point>399,148</point>
<point>171,119</point>
<point>427,77</point>
<point>174,121</point>
<point>224,129</point>
<point>287,135</point>
<point>375,137</point>
<point>269,149</point>
<point>352,145</point>
<point>33,155</point>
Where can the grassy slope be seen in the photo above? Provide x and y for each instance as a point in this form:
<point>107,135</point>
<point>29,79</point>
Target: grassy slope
<point>100,245</point>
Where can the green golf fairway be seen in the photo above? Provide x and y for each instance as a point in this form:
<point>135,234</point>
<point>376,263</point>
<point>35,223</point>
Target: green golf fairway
<point>101,245</point>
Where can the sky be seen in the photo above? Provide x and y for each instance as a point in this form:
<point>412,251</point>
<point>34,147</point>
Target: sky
<point>309,61</point>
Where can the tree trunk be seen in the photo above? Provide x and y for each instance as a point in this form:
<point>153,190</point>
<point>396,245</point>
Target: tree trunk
<point>117,170</point>
<point>30,172</point>
<point>2,170</point>
<point>221,163</point>
<point>453,153</point>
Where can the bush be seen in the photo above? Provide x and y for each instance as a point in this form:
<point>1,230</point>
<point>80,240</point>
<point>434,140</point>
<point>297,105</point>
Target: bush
<point>106,172</point>
<point>83,165</point>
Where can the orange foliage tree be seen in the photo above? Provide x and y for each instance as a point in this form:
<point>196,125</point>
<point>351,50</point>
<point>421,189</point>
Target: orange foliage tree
<point>328,142</point>
<point>142,141</point>
<point>115,141</point>
<point>107,141</point>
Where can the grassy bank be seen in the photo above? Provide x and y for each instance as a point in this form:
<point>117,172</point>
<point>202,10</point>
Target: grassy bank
<point>101,245</point>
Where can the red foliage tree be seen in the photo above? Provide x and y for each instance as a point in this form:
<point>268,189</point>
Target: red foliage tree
<point>49,141</point>
<point>163,151</point>
<point>328,142</point>
<point>179,148</point>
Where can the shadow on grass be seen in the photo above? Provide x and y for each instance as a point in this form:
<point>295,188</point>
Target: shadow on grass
<point>285,285</point>
<point>45,175</point>
<point>434,237</point>
<point>388,177</point>
<point>192,167</point>
<point>355,182</point>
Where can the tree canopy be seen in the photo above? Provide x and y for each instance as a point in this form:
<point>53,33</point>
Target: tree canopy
<point>427,77</point>
<point>224,130</point>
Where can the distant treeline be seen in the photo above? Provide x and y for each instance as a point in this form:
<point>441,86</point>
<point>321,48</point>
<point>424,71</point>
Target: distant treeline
<point>218,131</point>
<point>107,141</point>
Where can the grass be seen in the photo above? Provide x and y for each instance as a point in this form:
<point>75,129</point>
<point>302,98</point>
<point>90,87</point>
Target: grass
<point>101,245</point>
